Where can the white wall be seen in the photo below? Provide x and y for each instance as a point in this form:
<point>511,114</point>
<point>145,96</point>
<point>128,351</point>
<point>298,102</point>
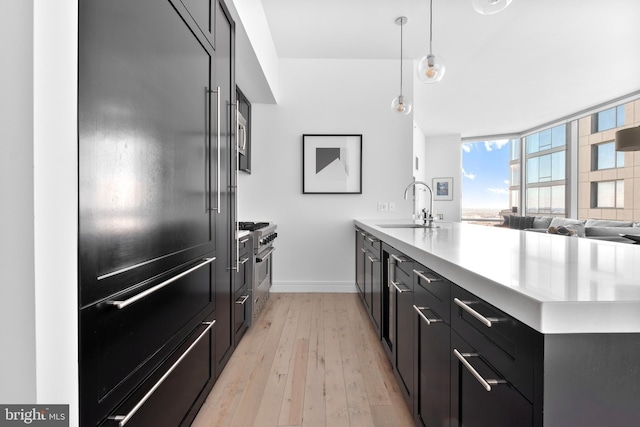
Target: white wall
<point>17,316</point>
<point>55,202</point>
<point>444,160</point>
<point>316,240</point>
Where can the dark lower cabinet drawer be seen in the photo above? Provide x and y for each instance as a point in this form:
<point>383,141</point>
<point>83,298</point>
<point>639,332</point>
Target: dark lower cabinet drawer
<point>121,345</point>
<point>171,396</point>
<point>242,313</point>
<point>433,289</point>
<point>472,404</point>
<point>504,340</point>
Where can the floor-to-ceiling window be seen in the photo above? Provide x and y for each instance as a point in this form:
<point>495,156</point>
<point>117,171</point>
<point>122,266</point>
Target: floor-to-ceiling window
<point>546,171</point>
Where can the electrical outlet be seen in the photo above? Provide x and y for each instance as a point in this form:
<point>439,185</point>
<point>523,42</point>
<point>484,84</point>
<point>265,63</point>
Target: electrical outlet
<point>392,207</point>
<point>382,206</point>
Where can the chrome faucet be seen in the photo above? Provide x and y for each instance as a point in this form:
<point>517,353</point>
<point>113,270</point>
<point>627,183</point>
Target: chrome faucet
<point>427,218</point>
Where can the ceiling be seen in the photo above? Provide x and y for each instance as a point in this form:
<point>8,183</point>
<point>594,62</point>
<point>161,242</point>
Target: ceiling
<point>533,63</point>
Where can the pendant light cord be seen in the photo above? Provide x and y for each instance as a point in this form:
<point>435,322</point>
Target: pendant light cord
<point>431,27</point>
<point>401,26</point>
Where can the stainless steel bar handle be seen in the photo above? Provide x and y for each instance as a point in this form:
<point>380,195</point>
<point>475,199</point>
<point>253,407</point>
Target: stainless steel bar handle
<point>236,186</point>
<point>425,278</point>
<point>124,419</point>
<point>398,259</point>
<point>122,304</point>
<point>260,257</point>
<point>485,383</point>
<point>242,299</point>
<point>207,173</point>
<point>371,240</point>
<point>372,259</point>
<point>363,250</point>
<point>487,321</point>
<point>243,241</point>
<point>217,92</point>
<point>244,260</point>
<point>400,287</point>
<point>425,318</point>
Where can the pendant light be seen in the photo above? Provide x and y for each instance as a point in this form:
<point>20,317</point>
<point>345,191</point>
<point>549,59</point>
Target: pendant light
<point>401,105</point>
<point>431,68</point>
<point>628,139</point>
<point>489,7</point>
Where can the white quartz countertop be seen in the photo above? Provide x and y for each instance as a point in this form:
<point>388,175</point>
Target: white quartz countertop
<point>555,284</point>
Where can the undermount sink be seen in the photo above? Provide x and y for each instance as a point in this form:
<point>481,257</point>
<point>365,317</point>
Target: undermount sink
<point>406,226</point>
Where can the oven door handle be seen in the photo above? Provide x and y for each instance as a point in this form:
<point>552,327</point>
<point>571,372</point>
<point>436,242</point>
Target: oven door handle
<point>261,257</point>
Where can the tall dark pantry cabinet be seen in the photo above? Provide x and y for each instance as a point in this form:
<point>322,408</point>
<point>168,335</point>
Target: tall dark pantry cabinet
<point>156,199</point>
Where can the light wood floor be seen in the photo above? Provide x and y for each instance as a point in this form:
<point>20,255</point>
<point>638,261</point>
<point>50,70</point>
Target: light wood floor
<point>309,360</point>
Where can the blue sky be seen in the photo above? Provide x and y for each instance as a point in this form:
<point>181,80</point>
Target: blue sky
<point>485,175</point>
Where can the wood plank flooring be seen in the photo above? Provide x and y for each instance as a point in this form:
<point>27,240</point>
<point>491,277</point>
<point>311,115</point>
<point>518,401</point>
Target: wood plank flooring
<point>311,360</point>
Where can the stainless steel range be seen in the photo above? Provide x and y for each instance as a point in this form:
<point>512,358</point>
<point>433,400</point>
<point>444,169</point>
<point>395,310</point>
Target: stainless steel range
<point>264,233</point>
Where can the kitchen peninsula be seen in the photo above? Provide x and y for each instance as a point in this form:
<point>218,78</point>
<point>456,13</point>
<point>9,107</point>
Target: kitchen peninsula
<point>516,328</point>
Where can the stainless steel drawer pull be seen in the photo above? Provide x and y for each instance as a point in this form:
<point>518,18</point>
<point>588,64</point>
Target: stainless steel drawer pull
<point>372,259</point>
<point>398,259</point>
<point>431,279</point>
<point>243,241</point>
<point>363,250</point>
<point>261,257</point>
<point>487,321</point>
<point>123,304</point>
<point>400,287</point>
<point>124,419</point>
<point>425,318</point>
<point>244,260</point>
<point>242,299</point>
<point>485,383</point>
<point>372,240</point>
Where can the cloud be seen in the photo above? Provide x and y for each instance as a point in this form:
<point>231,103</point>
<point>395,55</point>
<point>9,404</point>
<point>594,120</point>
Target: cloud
<point>506,181</point>
<point>497,144</point>
<point>499,190</point>
<point>466,147</point>
<point>468,175</point>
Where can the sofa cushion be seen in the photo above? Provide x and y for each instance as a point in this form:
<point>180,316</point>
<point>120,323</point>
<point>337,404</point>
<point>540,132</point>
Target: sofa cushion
<point>520,222</point>
<point>610,231</point>
<point>607,223</point>
<point>542,222</point>
<point>572,224</point>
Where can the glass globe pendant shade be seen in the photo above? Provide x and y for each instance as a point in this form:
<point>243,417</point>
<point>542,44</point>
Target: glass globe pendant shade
<point>489,7</point>
<point>431,69</point>
<point>401,105</point>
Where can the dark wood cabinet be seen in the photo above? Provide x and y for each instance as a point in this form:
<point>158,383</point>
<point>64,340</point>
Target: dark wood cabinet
<point>155,207</point>
<point>224,80</point>
<point>497,403</point>
<point>369,276</point>
<point>398,317</point>
<point>242,287</point>
<point>432,348</point>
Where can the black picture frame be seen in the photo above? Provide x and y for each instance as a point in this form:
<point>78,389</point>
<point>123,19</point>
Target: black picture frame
<point>332,164</point>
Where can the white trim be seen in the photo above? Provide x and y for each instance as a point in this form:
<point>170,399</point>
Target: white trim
<point>314,287</point>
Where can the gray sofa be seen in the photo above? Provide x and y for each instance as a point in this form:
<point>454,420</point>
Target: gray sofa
<point>599,229</point>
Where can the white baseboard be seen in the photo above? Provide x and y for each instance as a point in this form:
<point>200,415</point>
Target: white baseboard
<point>315,287</point>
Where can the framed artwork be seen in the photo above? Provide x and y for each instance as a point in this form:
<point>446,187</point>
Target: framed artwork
<point>442,188</point>
<point>331,164</point>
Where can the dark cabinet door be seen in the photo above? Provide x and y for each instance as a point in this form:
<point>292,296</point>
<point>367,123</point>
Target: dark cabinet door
<point>432,368</point>
<point>472,404</point>
<point>376,295</point>
<point>144,144</point>
<point>405,338</point>
<point>360,261</point>
<point>203,13</point>
<point>225,221</point>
